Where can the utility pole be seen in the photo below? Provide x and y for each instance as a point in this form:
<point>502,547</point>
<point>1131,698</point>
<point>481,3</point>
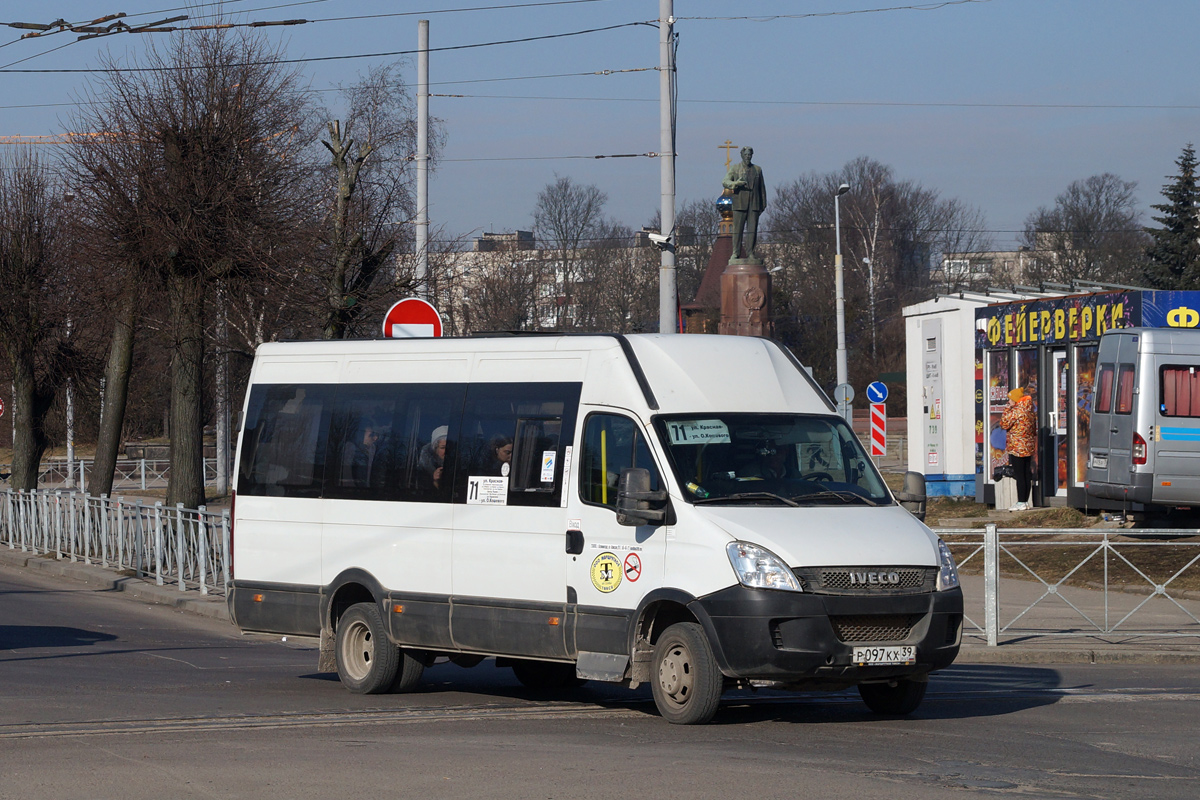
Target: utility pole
<point>422,233</point>
<point>70,423</point>
<point>221,404</point>
<point>668,296</point>
<point>843,401</point>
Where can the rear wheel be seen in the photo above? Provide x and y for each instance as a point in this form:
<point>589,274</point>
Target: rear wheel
<point>893,701</point>
<point>686,680</point>
<point>367,662</point>
<point>408,671</point>
<point>546,675</point>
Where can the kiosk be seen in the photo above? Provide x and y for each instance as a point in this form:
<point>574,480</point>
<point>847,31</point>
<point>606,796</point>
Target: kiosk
<point>1044,342</point>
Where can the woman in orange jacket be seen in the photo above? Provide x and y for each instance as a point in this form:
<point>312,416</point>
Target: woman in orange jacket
<point>1020,421</point>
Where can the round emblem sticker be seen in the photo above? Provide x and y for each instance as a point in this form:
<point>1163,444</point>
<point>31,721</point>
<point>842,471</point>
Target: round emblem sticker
<point>633,567</point>
<point>606,572</point>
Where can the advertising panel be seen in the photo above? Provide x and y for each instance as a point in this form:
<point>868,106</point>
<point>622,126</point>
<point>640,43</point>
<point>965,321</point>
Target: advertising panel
<point>1057,320</point>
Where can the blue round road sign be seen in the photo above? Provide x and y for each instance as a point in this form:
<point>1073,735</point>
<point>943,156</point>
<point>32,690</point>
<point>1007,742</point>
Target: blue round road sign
<point>877,392</point>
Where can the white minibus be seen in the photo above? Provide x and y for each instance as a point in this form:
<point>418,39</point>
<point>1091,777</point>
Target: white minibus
<point>680,510</point>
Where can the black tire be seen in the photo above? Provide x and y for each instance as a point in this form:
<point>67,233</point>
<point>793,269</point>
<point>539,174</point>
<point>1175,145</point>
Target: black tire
<point>367,662</point>
<point>546,675</point>
<point>893,701</point>
<point>408,671</point>
<point>685,678</point>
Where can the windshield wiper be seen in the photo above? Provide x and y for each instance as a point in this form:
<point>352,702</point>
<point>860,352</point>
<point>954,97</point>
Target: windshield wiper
<point>749,496</point>
<point>833,494</point>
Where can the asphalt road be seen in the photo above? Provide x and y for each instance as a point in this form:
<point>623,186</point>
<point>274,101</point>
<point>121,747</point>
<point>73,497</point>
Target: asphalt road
<point>102,696</point>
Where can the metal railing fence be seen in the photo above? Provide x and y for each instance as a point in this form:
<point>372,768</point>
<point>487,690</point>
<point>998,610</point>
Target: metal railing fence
<point>131,473</point>
<point>187,547</point>
<point>1079,582</point>
<point>1035,581</point>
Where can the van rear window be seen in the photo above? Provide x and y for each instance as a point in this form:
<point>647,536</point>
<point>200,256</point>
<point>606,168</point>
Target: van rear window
<point>1125,376</point>
<point>1179,391</point>
<point>1104,386</point>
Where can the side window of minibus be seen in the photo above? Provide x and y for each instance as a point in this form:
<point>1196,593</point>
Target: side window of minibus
<point>1125,376</point>
<point>1104,389</point>
<point>516,431</point>
<point>283,443</point>
<point>610,444</point>
<point>393,442</point>
<point>1180,391</point>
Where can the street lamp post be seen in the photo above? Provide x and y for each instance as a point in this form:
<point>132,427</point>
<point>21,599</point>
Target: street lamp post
<point>844,407</point>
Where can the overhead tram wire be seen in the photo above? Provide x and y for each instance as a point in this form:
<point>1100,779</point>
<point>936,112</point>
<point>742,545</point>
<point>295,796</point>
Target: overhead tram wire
<point>428,12</point>
<point>448,48</point>
<point>810,15</point>
<point>601,72</point>
<point>863,103</point>
<point>64,26</point>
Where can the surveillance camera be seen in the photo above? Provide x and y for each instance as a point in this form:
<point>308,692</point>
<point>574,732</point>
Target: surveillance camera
<point>659,240</point>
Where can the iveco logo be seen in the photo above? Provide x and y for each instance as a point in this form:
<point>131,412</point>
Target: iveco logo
<point>874,578</point>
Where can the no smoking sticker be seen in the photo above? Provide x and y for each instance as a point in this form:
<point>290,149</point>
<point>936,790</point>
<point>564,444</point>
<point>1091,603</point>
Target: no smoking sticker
<point>633,567</point>
<point>606,572</point>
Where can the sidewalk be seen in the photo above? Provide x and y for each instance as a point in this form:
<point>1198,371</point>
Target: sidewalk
<point>1130,647</point>
<point>142,589</point>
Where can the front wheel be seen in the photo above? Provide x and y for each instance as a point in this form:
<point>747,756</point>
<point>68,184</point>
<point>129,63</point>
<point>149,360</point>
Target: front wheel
<point>893,701</point>
<point>686,680</point>
<point>367,662</point>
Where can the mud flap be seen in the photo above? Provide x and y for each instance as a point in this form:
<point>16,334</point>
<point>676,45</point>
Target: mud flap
<point>327,659</point>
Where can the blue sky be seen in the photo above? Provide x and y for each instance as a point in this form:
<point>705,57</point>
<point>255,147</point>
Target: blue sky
<point>1000,103</point>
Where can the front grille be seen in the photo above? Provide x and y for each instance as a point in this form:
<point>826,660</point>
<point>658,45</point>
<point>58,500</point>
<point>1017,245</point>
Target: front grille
<point>867,580</point>
<point>874,627</point>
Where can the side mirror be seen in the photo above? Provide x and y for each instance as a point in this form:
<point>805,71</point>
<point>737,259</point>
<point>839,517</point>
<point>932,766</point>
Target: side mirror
<point>636,504</point>
<point>913,496</point>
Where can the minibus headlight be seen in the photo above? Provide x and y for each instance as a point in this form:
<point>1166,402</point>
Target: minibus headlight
<point>948,573</point>
<point>759,568</point>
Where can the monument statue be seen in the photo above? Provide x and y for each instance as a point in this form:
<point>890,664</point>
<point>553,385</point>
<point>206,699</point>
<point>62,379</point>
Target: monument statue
<point>745,180</point>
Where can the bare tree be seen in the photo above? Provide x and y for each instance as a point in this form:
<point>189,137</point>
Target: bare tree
<point>568,218</point>
<point>892,230</point>
<point>619,287</point>
<point>33,274</point>
<point>373,203</point>
<point>1093,232</point>
<point>696,226</point>
<point>196,179</point>
<point>501,291</point>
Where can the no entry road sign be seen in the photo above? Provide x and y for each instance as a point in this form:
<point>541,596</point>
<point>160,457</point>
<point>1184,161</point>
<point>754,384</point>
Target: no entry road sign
<point>412,318</point>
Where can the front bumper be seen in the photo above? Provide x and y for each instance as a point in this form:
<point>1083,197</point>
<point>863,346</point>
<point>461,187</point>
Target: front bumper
<point>790,636</point>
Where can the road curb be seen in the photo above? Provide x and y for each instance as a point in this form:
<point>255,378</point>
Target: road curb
<point>1022,654</point>
<point>142,589</point>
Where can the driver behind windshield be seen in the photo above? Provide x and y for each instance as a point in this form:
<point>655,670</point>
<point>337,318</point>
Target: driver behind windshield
<point>770,462</point>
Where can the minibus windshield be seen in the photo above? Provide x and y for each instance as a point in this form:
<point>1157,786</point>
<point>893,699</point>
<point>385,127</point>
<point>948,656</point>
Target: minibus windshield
<point>770,459</point>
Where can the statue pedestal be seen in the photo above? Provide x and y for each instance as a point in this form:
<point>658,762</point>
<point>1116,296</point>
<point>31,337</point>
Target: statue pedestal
<point>745,298</point>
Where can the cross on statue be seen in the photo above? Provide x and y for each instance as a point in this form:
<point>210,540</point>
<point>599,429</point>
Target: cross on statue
<point>728,146</point>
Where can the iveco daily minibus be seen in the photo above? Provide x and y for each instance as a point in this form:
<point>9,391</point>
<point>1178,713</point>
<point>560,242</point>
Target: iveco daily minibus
<point>683,511</point>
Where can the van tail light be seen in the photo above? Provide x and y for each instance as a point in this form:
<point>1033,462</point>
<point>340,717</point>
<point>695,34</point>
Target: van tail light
<point>232,517</point>
<point>1139,449</point>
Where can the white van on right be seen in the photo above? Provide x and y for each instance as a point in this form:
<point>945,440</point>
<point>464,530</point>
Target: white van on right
<point>1144,437</point>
